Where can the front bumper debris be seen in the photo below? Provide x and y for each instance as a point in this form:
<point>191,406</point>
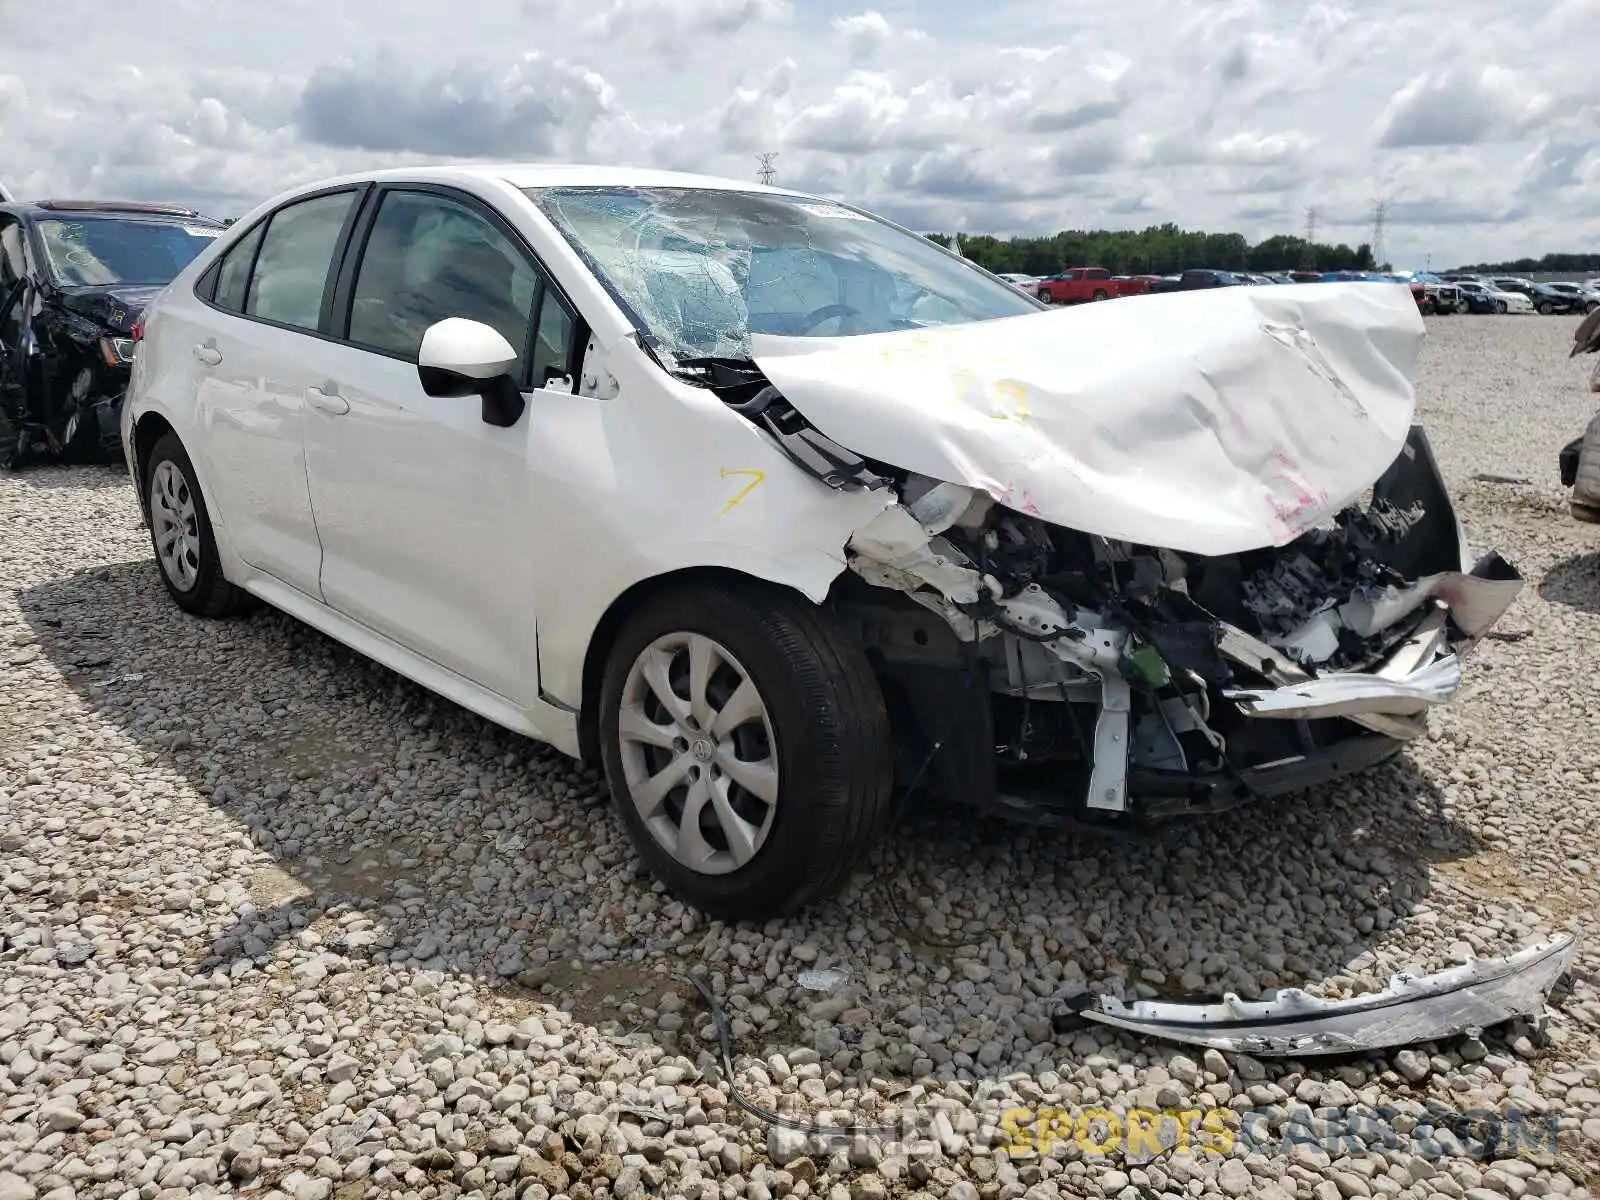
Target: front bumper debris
<point>1477,995</point>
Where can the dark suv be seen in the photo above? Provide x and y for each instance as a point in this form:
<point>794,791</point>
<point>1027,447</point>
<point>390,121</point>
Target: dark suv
<point>74,277</point>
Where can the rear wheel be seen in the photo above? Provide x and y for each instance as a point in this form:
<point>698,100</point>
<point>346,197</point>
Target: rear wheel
<point>1546,308</point>
<point>1100,295</point>
<point>747,748</point>
<point>180,533</point>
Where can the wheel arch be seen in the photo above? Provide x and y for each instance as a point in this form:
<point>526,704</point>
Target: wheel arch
<point>148,428</point>
<point>626,604</point>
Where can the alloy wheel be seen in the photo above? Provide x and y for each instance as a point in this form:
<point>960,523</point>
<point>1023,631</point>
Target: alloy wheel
<point>698,753</point>
<point>176,526</point>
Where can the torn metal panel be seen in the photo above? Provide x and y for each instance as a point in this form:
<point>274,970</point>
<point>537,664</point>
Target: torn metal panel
<point>1210,423</point>
<point>1348,693</point>
<point>1412,1009</point>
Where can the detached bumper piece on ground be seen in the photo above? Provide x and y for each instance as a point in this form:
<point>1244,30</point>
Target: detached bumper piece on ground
<point>1477,995</point>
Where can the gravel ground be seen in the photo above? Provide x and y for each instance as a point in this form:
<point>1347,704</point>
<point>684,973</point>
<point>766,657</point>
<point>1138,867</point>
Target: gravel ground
<point>272,919</point>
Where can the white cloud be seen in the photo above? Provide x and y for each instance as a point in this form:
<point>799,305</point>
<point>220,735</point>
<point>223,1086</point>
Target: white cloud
<point>1478,119</point>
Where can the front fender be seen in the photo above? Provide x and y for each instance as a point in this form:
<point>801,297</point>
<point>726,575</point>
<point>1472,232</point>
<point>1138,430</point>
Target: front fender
<point>661,479</point>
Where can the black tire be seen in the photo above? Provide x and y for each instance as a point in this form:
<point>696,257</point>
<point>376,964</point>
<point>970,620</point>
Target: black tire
<point>1100,295</point>
<point>212,595</point>
<point>1500,307</point>
<point>834,748</point>
<point>1545,309</point>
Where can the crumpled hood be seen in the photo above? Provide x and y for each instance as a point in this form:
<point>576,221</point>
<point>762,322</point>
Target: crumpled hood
<point>114,307</point>
<point>1210,422</point>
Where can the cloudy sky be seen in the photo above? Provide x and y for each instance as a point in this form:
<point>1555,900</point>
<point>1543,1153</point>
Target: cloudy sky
<point>1479,120</point>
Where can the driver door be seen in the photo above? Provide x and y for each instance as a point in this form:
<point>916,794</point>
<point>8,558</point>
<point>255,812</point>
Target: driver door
<point>422,507</point>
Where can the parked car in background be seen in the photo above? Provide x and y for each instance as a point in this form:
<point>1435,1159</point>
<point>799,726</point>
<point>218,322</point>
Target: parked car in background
<point>1028,284</point>
<point>1552,300</point>
<point>74,276</point>
<point>363,403</point>
<point>1588,299</point>
<point>1512,283</point>
<point>1194,280</point>
<point>1134,285</point>
<point>1483,297</point>
<point>1444,297</point>
<point>1081,285</point>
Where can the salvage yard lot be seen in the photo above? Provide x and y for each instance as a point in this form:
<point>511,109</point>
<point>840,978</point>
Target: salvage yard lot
<point>273,918</point>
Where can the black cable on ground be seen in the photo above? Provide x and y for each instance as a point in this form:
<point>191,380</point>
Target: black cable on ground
<point>767,1115</point>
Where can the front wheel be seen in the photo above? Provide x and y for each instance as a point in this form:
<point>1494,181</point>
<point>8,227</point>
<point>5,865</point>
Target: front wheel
<point>1500,307</point>
<point>1546,309</point>
<point>1100,295</point>
<point>747,748</point>
<point>180,533</point>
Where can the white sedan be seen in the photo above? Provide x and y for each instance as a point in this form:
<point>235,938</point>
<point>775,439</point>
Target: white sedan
<point>1504,301</point>
<point>776,510</point>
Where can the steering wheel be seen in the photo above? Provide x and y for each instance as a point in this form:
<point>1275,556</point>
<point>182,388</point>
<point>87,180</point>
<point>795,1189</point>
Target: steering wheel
<point>827,312</point>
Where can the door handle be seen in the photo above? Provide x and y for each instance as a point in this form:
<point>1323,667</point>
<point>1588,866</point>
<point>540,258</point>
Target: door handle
<point>209,355</point>
<point>328,400</point>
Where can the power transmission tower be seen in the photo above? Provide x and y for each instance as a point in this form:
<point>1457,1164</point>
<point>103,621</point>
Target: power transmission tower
<point>1380,213</point>
<point>767,173</point>
<point>1309,260</point>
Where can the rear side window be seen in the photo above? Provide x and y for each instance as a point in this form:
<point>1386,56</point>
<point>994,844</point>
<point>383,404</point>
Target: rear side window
<point>233,275</point>
<point>291,273</point>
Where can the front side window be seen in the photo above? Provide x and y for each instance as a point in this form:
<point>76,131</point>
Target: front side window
<point>700,270</point>
<point>291,272</point>
<point>429,258</point>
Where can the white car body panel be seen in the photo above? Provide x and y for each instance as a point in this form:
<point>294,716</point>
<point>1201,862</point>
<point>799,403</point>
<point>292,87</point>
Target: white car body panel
<point>1206,422</point>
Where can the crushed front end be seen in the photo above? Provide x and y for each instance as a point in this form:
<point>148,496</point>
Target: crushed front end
<point>72,370</point>
<point>1047,674</point>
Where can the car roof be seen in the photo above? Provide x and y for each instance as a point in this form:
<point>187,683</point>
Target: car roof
<point>534,175</point>
<point>123,208</point>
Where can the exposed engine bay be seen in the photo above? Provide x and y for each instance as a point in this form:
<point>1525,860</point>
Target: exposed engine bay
<point>1046,673</point>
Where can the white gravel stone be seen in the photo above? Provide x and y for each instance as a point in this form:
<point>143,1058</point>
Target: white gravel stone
<point>272,918</point>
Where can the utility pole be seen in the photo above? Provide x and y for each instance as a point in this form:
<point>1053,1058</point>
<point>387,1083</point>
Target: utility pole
<point>1380,213</point>
<point>1309,261</point>
<point>767,173</point>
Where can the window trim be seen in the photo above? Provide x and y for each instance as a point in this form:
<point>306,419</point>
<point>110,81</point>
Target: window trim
<point>205,292</point>
<point>355,251</point>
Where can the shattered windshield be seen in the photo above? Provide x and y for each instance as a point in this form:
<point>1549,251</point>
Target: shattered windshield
<point>701,270</point>
<point>97,251</point>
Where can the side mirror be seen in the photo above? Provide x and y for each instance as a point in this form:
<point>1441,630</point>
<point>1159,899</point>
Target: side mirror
<point>467,358</point>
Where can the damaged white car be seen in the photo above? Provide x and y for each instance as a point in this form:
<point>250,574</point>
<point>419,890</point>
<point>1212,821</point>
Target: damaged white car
<point>778,510</point>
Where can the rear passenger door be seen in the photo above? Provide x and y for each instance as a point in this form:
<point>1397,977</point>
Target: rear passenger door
<point>268,298</point>
<point>421,506</point>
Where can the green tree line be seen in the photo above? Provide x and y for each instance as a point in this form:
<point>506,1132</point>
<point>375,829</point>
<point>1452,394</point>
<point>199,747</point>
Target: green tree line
<point>1158,250</point>
<point>1550,262</point>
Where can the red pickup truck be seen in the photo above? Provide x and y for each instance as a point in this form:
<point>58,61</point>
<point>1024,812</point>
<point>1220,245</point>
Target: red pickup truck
<point>1081,284</point>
